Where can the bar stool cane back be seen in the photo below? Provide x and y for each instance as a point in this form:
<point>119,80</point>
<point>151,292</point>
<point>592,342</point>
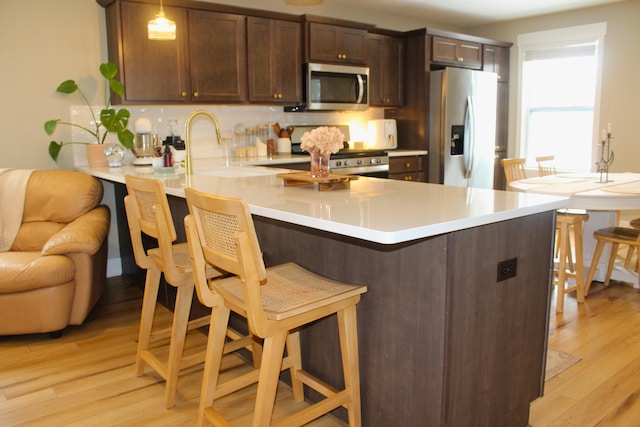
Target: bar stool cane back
<point>148,213</point>
<point>276,302</point>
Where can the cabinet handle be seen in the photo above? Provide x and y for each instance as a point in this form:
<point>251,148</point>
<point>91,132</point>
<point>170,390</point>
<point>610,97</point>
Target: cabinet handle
<point>408,178</point>
<point>183,94</point>
<point>407,165</point>
<point>460,59</point>
<point>499,77</point>
<point>195,94</point>
<point>342,56</point>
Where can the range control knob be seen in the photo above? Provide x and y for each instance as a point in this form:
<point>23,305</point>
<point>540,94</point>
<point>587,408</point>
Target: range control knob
<point>347,162</point>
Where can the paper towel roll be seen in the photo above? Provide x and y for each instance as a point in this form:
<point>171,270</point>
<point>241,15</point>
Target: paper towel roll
<point>143,125</point>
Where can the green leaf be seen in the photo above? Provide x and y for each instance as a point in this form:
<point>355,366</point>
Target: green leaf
<point>126,138</point>
<point>108,70</point>
<point>50,126</point>
<point>117,87</point>
<point>67,86</point>
<point>54,149</point>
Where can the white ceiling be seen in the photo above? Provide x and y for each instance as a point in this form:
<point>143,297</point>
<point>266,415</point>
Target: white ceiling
<point>468,13</point>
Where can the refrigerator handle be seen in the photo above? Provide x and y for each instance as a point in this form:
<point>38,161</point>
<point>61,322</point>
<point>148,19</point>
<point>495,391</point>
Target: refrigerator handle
<point>469,137</point>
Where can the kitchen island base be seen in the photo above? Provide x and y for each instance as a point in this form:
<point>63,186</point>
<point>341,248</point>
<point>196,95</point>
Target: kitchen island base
<point>442,342</point>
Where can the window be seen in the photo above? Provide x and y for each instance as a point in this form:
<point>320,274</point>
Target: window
<point>559,95</point>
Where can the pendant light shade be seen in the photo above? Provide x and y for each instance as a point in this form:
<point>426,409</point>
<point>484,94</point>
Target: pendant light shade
<point>161,28</point>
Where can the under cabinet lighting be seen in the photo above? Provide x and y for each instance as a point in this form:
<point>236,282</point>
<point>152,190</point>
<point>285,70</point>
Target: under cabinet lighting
<point>161,28</point>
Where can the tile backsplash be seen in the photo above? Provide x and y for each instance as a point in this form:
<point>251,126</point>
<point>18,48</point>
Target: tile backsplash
<point>203,139</point>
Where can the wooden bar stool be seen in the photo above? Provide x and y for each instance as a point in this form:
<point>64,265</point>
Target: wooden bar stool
<point>614,236</point>
<point>148,212</point>
<point>276,302</point>
<point>569,227</point>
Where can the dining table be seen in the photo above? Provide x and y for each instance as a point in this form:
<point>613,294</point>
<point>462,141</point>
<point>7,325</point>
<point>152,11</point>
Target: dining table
<point>603,196</point>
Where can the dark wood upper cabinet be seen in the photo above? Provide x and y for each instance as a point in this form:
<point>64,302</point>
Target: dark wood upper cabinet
<point>274,53</point>
<point>198,66</point>
<point>385,70</point>
<point>151,70</point>
<point>337,44</point>
<point>217,46</point>
<point>458,53</point>
<point>496,59</point>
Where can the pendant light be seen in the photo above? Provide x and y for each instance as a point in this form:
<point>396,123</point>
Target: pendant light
<point>161,28</point>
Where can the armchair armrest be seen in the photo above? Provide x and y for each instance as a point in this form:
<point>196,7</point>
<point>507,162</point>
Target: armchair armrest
<point>84,234</point>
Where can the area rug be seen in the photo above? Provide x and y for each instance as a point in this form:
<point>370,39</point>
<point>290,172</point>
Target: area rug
<point>558,361</point>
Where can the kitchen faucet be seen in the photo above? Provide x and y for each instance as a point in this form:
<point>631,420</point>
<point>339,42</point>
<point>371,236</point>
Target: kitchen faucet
<point>188,167</point>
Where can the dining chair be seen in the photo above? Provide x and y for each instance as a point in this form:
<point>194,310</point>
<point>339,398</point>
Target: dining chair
<point>277,302</point>
<point>513,169</point>
<point>148,214</point>
<point>615,236</point>
<point>546,165</point>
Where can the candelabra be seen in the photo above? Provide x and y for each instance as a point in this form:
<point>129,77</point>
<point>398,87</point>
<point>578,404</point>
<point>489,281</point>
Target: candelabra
<point>606,156</point>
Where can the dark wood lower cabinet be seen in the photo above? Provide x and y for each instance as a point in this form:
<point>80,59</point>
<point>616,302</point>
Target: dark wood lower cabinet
<point>441,341</point>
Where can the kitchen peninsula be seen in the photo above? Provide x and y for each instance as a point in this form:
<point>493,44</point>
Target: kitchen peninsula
<point>452,331</point>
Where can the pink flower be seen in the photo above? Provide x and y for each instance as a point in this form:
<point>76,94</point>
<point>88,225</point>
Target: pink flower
<point>324,139</point>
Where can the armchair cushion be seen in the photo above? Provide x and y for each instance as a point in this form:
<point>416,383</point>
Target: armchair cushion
<point>55,270</point>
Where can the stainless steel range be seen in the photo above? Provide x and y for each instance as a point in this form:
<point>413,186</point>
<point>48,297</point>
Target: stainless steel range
<point>348,161</point>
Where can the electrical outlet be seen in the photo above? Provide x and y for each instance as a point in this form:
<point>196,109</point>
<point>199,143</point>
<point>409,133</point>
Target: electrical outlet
<point>507,269</point>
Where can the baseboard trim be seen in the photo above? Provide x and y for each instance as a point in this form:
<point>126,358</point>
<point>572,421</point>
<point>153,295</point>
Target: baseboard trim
<point>114,267</point>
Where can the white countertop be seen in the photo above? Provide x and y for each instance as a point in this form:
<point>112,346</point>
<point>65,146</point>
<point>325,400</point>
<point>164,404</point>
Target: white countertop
<point>380,210</point>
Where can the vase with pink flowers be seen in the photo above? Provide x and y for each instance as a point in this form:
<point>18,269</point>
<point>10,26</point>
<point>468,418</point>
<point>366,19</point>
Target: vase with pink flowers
<point>320,143</point>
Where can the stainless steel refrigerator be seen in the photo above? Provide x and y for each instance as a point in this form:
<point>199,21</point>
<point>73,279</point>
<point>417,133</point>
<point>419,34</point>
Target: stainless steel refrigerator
<point>462,121</point>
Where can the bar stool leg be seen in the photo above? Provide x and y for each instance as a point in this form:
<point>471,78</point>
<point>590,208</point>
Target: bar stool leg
<point>577,238</point>
<point>272,352</point>
<point>295,355</point>
<point>151,285</point>
<point>182,307</point>
<point>594,264</point>
<point>348,329</point>
<point>563,235</point>
<point>213,359</point>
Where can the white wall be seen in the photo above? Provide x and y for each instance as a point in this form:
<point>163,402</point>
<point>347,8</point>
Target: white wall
<point>621,78</point>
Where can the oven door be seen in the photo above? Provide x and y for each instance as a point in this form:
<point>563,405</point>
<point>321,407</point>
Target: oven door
<point>377,171</point>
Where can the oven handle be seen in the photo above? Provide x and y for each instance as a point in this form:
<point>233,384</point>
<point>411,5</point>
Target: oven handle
<point>359,170</point>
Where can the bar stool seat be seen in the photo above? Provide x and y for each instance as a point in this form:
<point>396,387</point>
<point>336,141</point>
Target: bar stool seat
<point>569,227</point>
<point>148,213</point>
<point>277,302</point>
<point>614,236</point>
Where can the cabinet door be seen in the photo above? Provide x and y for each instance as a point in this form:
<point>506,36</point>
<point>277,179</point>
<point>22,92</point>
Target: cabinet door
<point>494,369</point>
<point>152,70</point>
<point>458,53</point>
<point>217,43</point>
<point>274,51</point>
<point>385,70</point>
<point>332,43</point>
<point>408,168</point>
<point>496,59</point>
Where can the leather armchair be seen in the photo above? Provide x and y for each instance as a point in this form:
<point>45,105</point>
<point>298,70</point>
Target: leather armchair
<point>55,270</point>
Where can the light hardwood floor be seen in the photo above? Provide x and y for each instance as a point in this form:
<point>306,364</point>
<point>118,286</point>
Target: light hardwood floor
<point>87,377</point>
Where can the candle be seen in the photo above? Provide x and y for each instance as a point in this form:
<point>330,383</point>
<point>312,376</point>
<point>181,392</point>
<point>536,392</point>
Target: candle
<point>609,127</point>
<point>604,135</point>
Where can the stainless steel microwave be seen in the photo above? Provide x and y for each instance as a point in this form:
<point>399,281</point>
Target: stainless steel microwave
<point>336,87</point>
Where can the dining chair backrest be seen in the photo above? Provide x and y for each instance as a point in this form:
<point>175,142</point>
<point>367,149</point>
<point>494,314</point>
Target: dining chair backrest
<point>546,165</point>
<point>513,169</point>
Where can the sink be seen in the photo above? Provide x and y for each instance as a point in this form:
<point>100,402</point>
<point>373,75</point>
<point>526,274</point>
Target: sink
<point>237,171</point>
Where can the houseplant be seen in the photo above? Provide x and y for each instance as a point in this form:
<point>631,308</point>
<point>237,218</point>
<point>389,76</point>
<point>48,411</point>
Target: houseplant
<point>110,120</point>
<point>320,143</point>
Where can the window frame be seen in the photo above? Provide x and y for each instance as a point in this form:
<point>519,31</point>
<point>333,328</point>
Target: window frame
<point>554,38</point>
